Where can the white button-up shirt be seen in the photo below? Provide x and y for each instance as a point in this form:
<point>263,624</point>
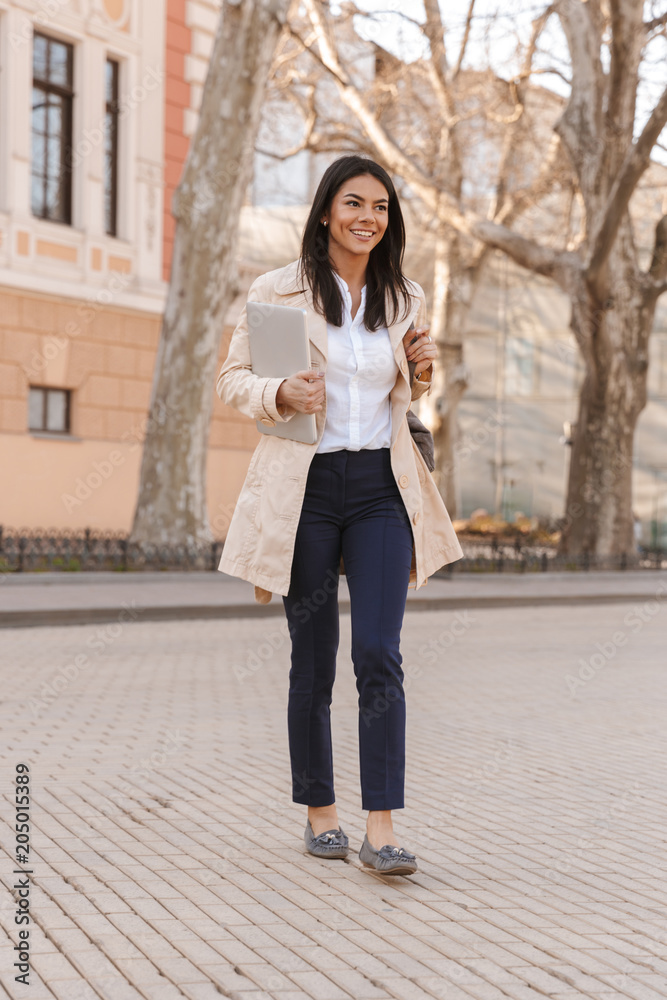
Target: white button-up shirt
<point>361,372</point>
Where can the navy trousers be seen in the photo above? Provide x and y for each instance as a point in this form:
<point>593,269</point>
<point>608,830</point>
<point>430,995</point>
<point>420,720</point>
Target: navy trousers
<point>352,507</point>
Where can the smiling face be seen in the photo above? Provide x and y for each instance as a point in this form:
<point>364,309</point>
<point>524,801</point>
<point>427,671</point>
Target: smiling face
<point>357,219</point>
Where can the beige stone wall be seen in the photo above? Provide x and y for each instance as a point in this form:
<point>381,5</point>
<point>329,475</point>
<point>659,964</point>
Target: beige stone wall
<point>93,483</point>
<point>90,478</point>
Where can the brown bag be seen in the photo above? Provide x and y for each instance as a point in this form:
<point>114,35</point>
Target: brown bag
<point>423,438</point>
<point>420,434</point>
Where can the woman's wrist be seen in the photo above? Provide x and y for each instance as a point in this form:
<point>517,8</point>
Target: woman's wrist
<point>281,404</point>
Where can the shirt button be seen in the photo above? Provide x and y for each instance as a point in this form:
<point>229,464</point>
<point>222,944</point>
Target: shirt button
<point>415,519</point>
<point>403,481</point>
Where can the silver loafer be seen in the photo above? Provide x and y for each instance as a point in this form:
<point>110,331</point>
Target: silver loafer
<point>330,844</point>
<point>388,860</point>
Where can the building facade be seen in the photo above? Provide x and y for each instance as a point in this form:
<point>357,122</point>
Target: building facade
<point>98,100</point>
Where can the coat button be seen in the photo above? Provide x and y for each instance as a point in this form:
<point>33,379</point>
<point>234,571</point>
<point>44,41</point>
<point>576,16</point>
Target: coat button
<point>415,518</point>
<point>403,481</point>
<point>267,421</point>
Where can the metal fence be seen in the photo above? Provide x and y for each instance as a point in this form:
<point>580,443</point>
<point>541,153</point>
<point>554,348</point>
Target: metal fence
<point>497,556</point>
<point>28,551</point>
<point>67,551</point>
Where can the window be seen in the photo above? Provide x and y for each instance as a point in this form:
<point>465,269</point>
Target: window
<point>111,148</point>
<point>519,366</point>
<point>48,410</point>
<point>52,95</point>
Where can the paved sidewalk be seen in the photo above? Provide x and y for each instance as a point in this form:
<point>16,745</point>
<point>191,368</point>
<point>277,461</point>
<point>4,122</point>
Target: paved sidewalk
<point>168,856</point>
<point>78,598</point>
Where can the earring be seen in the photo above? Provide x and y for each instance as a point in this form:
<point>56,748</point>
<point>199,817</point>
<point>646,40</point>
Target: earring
<point>324,222</point>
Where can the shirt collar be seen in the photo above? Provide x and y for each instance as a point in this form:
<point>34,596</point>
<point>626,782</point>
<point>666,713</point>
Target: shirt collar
<point>347,297</point>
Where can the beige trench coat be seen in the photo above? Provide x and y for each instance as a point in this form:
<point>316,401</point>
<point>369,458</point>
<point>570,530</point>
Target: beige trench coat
<point>260,542</point>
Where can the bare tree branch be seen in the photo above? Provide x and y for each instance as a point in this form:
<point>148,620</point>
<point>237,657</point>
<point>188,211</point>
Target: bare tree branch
<point>634,165</point>
<point>373,15</point>
<point>309,125</point>
<point>625,57</point>
<point>464,40</point>
<point>522,199</point>
<point>515,115</point>
<point>350,96</point>
<point>434,30</point>
<point>549,70</point>
<point>524,251</point>
<point>286,57</point>
<point>580,123</point>
<point>657,22</point>
<point>527,253</point>
<point>538,26</point>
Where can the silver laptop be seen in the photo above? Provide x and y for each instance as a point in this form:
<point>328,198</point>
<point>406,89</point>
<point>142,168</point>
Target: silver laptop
<point>278,338</point>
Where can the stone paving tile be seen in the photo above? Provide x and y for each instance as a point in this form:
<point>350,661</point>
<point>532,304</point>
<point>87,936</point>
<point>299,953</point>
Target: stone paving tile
<point>318,986</point>
<point>171,861</point>
<point>80,989</point>
<point>639,987</point>
<point>264,975</point>
<point>319,957</point>
<point>482,990</point>
<point>163,991</point>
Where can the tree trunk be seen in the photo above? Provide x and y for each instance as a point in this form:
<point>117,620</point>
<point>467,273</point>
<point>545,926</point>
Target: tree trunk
<point>171,505</point>
<point>452,297</point>
<point>613,305</point>
<point>599,508</point>
<point>613,336</point>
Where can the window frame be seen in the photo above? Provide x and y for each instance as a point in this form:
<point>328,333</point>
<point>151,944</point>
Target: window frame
<point>112,111</point>
<point>44,429</point>
<point>66,92</point>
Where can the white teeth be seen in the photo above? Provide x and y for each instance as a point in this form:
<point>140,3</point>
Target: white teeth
<point>362,232</point>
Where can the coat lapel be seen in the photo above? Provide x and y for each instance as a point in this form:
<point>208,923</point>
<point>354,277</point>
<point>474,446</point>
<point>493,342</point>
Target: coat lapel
<point>397,331</point>
<point>317,329</point>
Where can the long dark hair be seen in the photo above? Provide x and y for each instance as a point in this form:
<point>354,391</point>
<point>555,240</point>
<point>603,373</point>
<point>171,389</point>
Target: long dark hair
<point>384,274</point>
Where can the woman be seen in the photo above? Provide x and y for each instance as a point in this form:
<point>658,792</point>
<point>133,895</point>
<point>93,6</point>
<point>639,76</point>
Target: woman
<point>361,494</point>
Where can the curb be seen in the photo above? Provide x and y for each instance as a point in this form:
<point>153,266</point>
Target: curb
<point>186,612</point>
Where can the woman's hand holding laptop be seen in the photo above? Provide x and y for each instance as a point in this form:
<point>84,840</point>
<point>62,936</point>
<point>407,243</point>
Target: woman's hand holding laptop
<point>303,392</point>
